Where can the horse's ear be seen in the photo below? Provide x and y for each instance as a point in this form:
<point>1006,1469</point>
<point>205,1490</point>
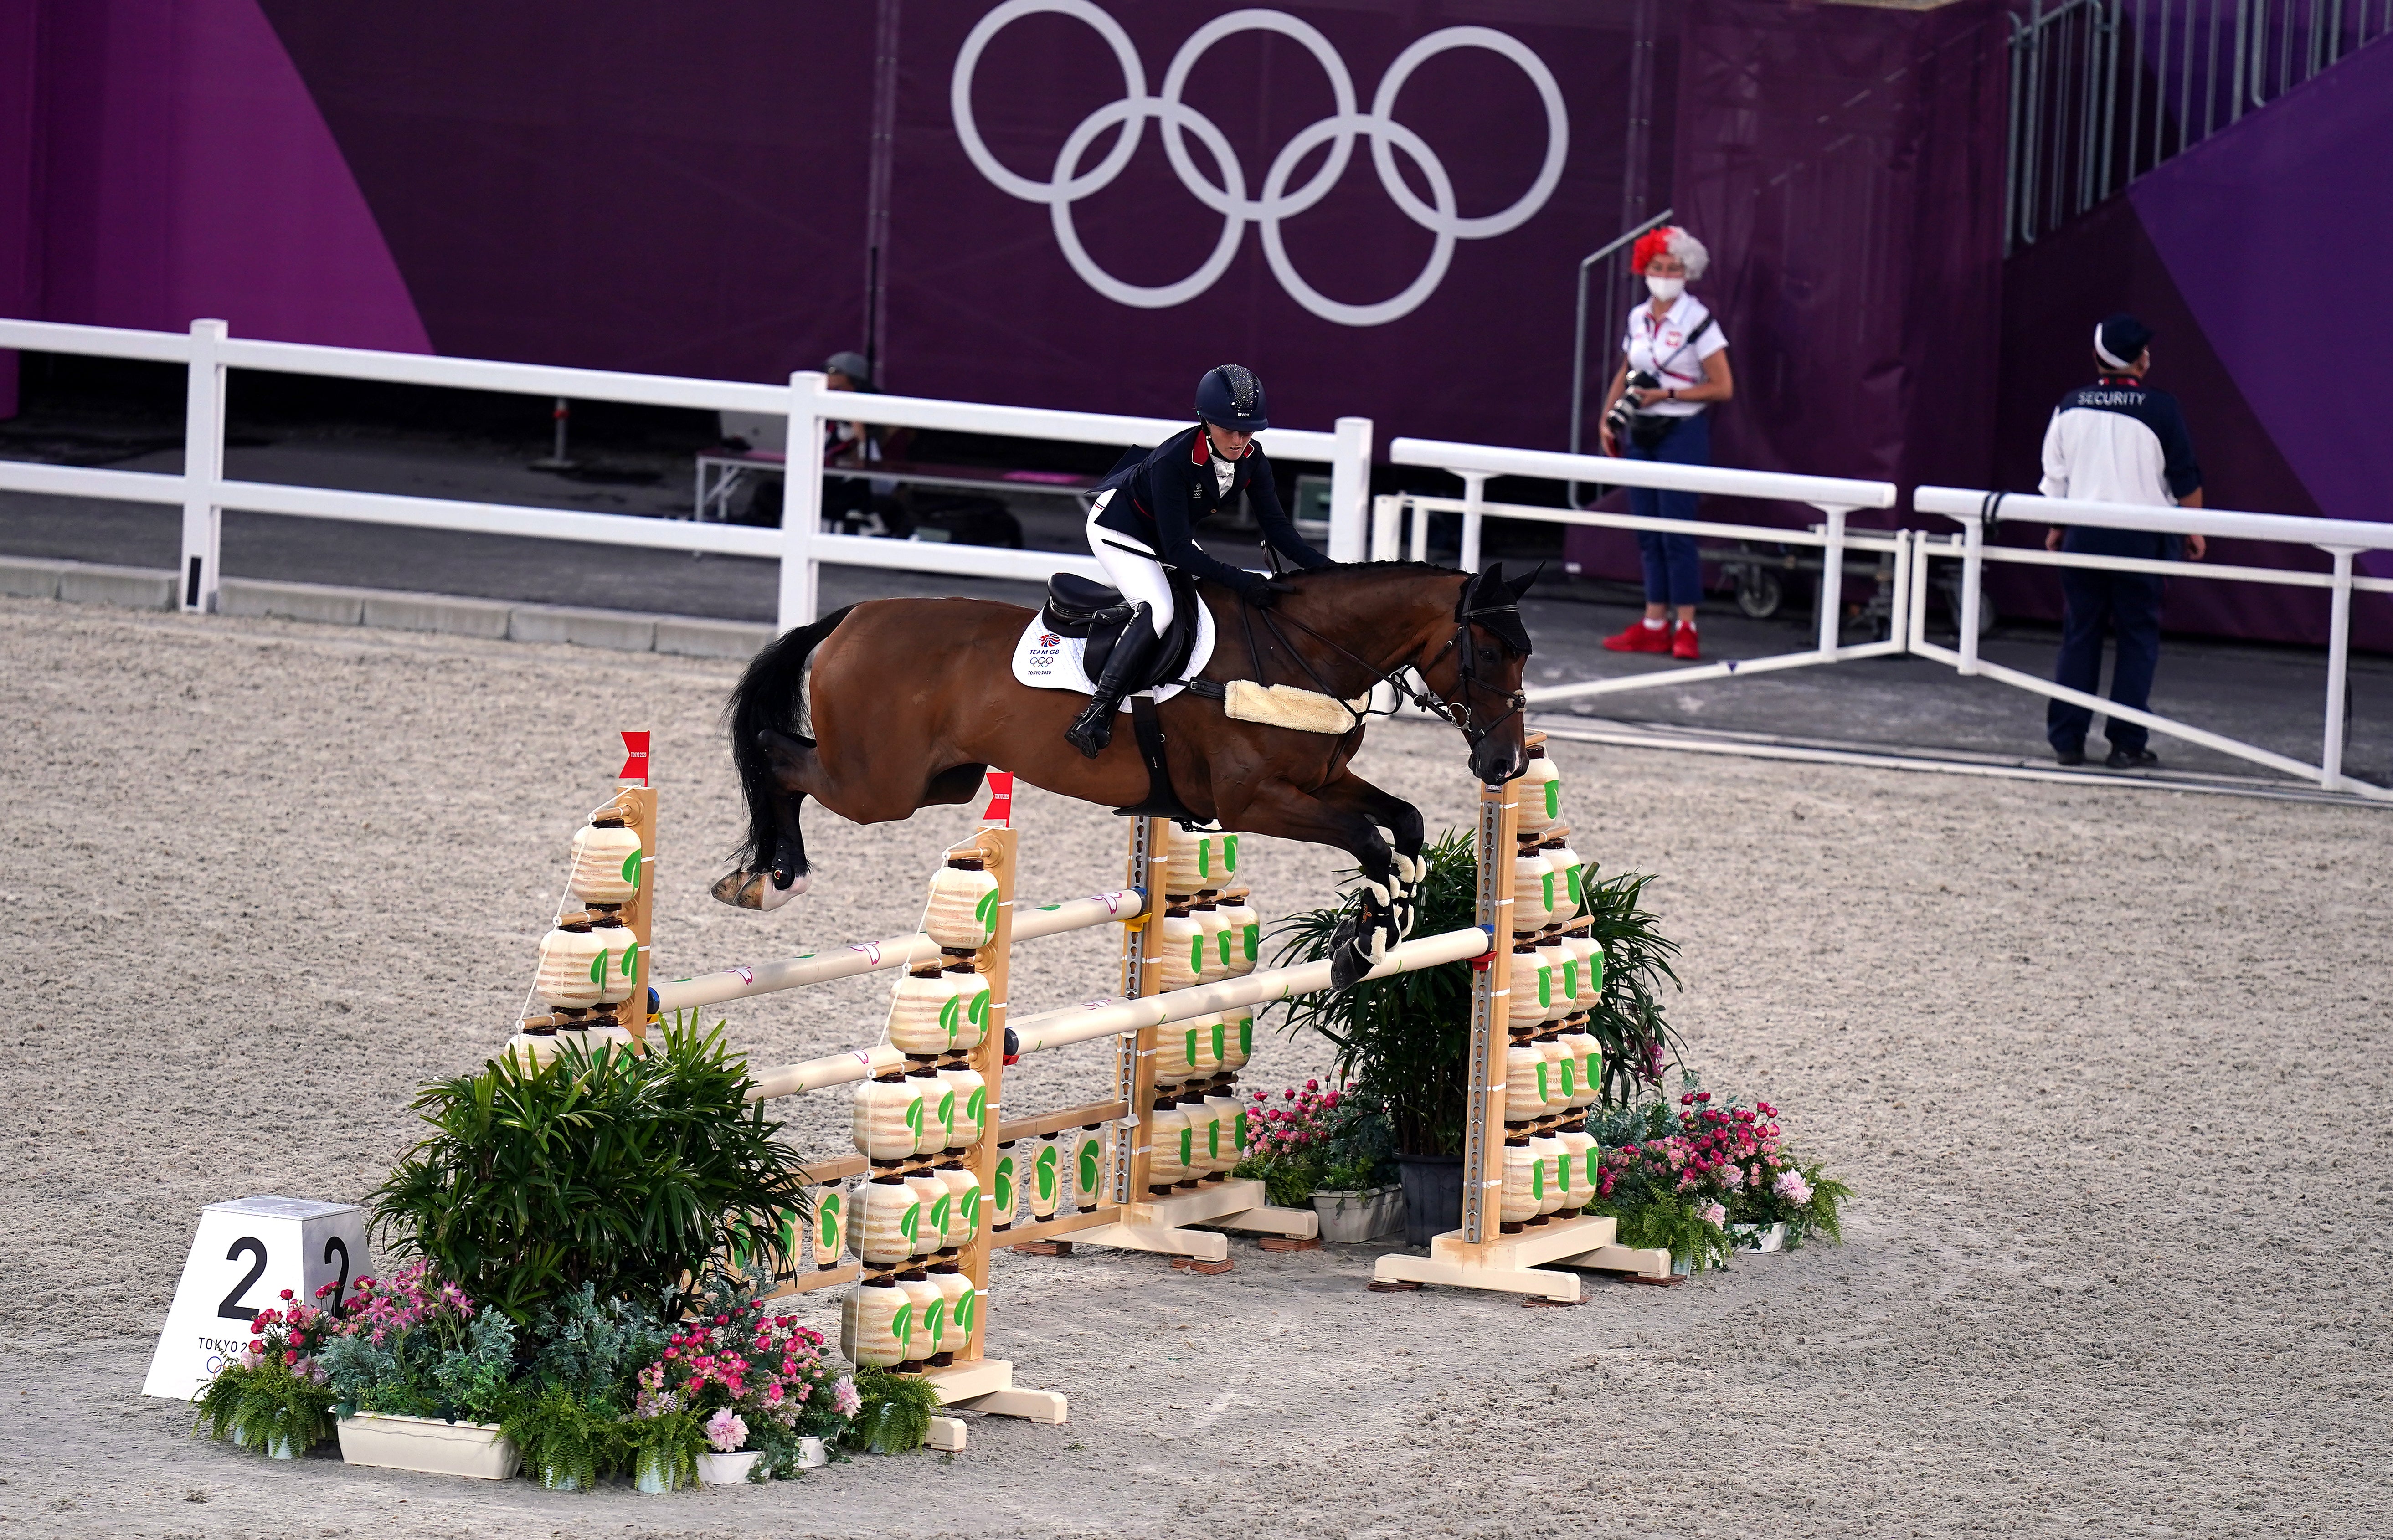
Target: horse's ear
<point>1522,586</point>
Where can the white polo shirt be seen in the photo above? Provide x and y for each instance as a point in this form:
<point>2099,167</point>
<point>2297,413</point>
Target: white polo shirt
<point>1658,345</point>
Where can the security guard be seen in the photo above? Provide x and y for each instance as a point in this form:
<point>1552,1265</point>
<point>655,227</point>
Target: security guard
<point>1142,521</point>
<point>2116,440</point>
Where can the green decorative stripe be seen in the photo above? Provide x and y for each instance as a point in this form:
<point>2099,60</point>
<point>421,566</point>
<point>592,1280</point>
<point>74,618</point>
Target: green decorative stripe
<point>968,1209</point>
<point>1543,1095</point>
<point>976,1105</point>
<point>910,1224</point>
<point>599,970</point>
<point>951,1011</point>
<point>1570,1081</point>
<point>979,1008</point>
<point>1577,877</point>
<point>1045,1172</point>
<point>1002,1185</point>
<point>1196,953</point>
<point>1548,881</point>
<point>826,1218</point>
<point>1188,1142</point>
<point>914,1118</point>
<point>967,1306</point>
<point>935,1321</point>
<point>1254,934</point>
<point>1229,853</point>
<point>986,912</point>
<point>1089,1164</point>
<point>938,1217</point>
<point>1538,1179</point>
<point>631,870</point>
<point>901,1326</point>
<point>1554,798</point>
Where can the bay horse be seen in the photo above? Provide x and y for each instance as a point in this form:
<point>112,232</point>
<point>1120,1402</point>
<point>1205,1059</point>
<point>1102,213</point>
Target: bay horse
<point>909,702</point>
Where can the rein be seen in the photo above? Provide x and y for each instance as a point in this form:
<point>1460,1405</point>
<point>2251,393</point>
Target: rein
<point>1459,713</point>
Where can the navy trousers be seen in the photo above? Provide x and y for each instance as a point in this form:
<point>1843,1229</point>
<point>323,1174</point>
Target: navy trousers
<point>1674,574</point>
<point>2129,603</point>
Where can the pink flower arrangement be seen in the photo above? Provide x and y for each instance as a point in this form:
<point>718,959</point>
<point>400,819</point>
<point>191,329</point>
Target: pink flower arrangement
<point>1298,1121</point>
<point>377,1311</point>
<point>744,1363</point>
<point>290,1336</point>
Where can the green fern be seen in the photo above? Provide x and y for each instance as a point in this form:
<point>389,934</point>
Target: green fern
<point>568,1441</point>
<point>668,1445</point>
<point>896,1413</point>
<point>257,1406</point>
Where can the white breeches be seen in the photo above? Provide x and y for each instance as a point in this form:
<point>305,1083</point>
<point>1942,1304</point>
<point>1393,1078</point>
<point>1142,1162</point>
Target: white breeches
<point>1131,566</point>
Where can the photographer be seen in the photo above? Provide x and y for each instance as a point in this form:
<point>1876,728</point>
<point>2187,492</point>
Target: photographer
<point>1674,364</point>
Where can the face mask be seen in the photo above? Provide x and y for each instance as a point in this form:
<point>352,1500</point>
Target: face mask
<point>1666,288</point>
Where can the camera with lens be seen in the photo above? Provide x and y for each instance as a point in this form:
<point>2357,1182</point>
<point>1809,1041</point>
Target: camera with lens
<point>1622,419</point>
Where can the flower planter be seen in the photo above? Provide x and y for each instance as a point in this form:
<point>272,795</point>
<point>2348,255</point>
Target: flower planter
<point>812,1454</point>
<point>553,1480</point>
<point>726,1469</point>
<point>1432,1195</point>
<point>1361,1214</point>
<point>653,1473</point>
<point>475,1448</point>
<point>1759,1237</point>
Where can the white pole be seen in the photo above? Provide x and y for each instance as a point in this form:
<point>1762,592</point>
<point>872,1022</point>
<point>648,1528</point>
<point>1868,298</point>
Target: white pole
<point>1350,488</point>
<point>1832,582</point>
<point>1474,492</point>
<point>1107,1018</point>
<point>1973,570</point>
<point>1898,625</point>
<point>203,426</point>
<point>2338,658</point>
<point>871,956</point>
<point>801,500</point>
<point>1421,529</point>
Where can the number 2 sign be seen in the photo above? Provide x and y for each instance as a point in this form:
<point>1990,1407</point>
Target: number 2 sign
<point>246,1253</point>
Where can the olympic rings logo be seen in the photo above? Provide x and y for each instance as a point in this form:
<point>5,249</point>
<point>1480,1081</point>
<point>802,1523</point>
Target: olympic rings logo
<point>1225,194</point>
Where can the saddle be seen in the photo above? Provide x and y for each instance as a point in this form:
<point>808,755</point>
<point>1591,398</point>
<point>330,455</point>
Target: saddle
<point>1076,606</point>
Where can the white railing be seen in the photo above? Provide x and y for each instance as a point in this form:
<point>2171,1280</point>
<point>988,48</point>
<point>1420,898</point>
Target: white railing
<point>801,545</point>
<point>1978,512</point>
<point>1833,496</point>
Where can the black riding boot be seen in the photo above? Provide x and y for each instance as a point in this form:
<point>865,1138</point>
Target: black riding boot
<point>1093,728</point>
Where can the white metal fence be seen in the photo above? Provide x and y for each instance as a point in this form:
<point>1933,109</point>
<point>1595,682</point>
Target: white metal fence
<point>1980,511</point>
<point>202,490</point>
<point>1835,497</point>
<point>802,546</point>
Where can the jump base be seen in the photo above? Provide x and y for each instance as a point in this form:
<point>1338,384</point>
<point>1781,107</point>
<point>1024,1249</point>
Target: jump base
<point>987,1385</point>
<point>1513,1263</point>
<point>1161,1225</point>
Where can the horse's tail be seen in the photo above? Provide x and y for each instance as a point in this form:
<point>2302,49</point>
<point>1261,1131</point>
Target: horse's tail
<point>770,697</point>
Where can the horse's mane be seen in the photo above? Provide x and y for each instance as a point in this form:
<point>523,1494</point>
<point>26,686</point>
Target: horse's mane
<point>1345,570</point>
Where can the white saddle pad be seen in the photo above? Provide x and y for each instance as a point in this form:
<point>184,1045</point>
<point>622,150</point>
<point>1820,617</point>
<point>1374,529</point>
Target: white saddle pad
<point>1046,660</point>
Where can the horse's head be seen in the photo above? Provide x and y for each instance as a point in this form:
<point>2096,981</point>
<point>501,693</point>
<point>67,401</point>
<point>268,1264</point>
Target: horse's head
<point>1479,677</point>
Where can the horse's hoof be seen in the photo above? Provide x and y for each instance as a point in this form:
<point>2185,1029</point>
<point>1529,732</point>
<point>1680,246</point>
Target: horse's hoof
<point>1347,967</point>
<point>755,890</point>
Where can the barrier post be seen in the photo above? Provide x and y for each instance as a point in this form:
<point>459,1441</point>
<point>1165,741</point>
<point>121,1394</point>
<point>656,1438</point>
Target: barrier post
<point>998,857</point>
<point>801,500</point>
<point>1973,572</point>
<point>203,435</point>
<point>1350,488</point>
<point>637,798</point>
<point>1474,495</point>
<point>1483,1131</point>
<point>1387,527</point>
<point>1832,582</point>
<point>1150,854</point>
<point>2338,662</point>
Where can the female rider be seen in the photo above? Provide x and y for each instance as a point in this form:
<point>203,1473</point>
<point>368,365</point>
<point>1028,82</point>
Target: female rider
<point>1142,522</point>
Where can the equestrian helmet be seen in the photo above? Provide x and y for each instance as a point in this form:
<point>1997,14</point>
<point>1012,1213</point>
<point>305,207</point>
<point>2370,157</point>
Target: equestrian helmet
<point>1232,398</point>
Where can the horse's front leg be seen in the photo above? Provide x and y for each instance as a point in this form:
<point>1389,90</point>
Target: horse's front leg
<point>1400,823</point>
<point>1284,811</point>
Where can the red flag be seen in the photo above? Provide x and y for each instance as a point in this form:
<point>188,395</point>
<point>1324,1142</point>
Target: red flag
<point>636,759</point>
<point>1000,800</point>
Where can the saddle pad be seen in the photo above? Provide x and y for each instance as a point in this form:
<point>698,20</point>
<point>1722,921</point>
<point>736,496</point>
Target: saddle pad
<point>1046,660</point>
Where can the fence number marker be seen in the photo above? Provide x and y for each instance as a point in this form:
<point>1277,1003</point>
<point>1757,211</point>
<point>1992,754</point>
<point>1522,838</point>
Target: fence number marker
<point>246,1253</point>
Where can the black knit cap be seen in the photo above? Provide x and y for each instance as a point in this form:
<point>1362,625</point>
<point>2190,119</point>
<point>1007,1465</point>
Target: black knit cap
<point>2121,340</point>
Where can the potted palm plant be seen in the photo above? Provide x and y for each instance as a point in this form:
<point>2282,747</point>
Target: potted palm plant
<point>1404,1040</point>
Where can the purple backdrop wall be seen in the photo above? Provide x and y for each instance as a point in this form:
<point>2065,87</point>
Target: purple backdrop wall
<point>984,300</point>
<point>2237,252</point>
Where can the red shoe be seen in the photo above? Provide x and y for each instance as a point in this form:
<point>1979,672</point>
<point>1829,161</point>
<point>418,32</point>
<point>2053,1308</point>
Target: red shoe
<point>1640,637</point>
<point>1683,645</point>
